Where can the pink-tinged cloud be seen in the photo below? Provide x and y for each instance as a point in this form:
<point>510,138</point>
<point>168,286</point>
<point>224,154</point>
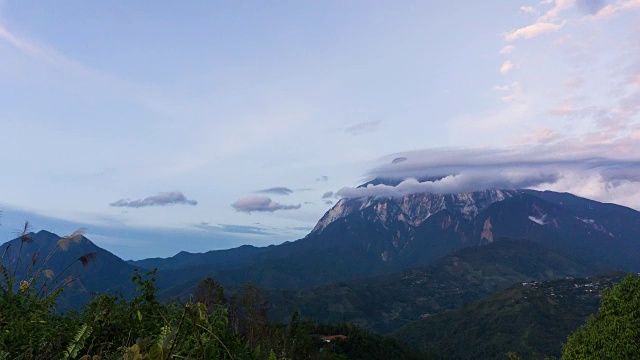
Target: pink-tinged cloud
<point>616,8</point>
<point>506,67</point>
<point>261,204</point>
<point>533,30</point>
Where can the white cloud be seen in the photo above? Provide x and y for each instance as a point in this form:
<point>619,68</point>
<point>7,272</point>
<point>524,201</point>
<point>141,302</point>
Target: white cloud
<point>507,49</point>
<point>528,10</point>
<point>533,30</point>
<point>506,67</point>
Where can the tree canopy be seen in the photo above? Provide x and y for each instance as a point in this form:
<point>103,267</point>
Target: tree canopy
<point>614,332</point>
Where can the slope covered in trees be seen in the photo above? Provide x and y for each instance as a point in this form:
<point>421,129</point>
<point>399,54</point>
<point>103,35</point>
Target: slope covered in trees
<point>532,319</point>
<point>112,326</point>
<point>386,302</point>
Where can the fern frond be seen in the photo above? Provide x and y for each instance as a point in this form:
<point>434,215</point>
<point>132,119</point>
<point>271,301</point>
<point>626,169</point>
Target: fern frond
<point>77,343</point>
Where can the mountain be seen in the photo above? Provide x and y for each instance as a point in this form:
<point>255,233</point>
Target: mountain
<point>385,302</point>
<point>104,272</point>
<point>372,236</point>
<point>532,319</point>
<point>239,256</point>
<point>422,227</point>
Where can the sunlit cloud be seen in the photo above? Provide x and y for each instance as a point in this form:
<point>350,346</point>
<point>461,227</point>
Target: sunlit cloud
<point>506,67</point>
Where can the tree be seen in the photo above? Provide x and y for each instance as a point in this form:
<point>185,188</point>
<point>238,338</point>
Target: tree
<point>614,332</point>
<point>253,313</point>
<point>210,293</point>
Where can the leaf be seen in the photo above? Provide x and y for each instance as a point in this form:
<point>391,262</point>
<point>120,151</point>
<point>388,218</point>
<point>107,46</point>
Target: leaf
<point>156,352</point>
<point>77,343</point>
<point>202,310</point>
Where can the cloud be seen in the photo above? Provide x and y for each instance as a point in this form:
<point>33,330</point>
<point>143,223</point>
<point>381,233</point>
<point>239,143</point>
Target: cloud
<point>507,49</point>
<point>363,127</point>
<point>328,202</point>
<point>167,198</point>
<point>323,178</point>
<point>276,191</point>
<point>261,204</point>
<point>328,195</point>
<point>234,229</point>
<point>528,10</point>
<point>506,67</point>
<point>533,30</point>
<point>615,8</point>
<point>549,166</point>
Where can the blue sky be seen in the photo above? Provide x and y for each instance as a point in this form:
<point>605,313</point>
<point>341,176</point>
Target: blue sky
<point>162,127</point>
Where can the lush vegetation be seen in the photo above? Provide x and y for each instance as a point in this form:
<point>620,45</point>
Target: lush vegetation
<point>112,326</point>
<point>614,332</point>
<point>531,319</point>
<point>386,302</point>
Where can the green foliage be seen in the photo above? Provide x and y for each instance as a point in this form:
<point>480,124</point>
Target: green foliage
<point>614,332</point>
<point>530,320</point>
<point>386,302</point>
<point>77,343</point>
<point>210,293</point>
<point>141,327</point>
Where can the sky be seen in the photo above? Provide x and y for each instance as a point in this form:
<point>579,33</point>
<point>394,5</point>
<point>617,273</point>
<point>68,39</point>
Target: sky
<point>161,127</point>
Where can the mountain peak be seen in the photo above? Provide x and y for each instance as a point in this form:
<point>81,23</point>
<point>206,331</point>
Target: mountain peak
<point>416,208</point>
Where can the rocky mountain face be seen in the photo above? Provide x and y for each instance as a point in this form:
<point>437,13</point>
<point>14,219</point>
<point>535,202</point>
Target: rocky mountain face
<point>421,227</point>
<point>414,209</point>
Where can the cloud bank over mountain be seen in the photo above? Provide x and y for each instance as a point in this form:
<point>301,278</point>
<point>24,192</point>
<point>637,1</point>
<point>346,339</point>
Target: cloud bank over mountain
<point>600,171</point>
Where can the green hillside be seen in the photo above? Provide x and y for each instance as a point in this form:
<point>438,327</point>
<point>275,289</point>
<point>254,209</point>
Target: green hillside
<point>386,302</point>
<point>532,319</point>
